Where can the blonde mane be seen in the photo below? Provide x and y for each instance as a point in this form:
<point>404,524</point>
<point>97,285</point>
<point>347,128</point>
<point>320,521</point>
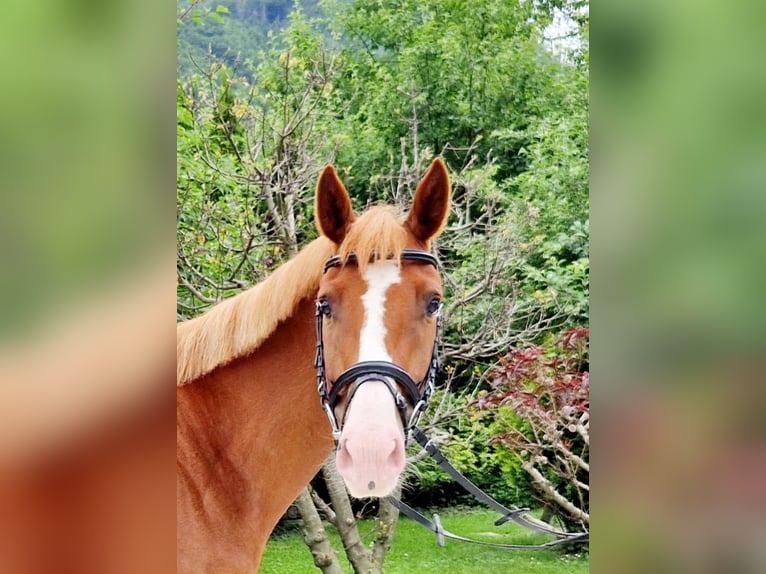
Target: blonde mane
<point>376,234</point>
<point>237,326</point>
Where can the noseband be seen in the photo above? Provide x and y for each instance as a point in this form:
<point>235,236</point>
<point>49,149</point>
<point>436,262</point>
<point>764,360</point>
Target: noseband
<point>414,395</point>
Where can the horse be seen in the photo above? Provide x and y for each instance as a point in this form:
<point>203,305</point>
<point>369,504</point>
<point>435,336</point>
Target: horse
<point>354,315</point>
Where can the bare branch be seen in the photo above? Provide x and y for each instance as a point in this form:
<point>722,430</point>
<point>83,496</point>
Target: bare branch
<point>324,508</point>
<point>547,487</point>
<point>194,291</point>
<point>315,537</point>
<point>193,4</point>
<point>359,555</point>
<point>385,527</point>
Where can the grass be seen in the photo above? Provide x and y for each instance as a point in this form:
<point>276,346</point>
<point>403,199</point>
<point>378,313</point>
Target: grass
<point>415,550</point>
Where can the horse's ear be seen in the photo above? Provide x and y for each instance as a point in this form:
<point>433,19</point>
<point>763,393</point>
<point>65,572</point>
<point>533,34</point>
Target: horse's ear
<point>333,206</point>
<point>430,208</point>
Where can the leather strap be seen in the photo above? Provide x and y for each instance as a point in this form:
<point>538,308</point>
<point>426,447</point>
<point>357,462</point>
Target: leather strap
<point>442,533</point>
<point>518,515</point>
<point>383,368</point>
<point>407,255</point>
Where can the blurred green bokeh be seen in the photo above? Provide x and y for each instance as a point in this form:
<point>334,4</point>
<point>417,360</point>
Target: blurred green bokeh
<point>679,177</point>
<point>87,170</point>
<point>678,126</point>
<point>86,149</point>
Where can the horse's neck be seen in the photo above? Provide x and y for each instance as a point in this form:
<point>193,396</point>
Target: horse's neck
<point>250,437</point>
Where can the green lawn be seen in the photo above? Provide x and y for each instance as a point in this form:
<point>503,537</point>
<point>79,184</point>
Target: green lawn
<point>415,550</point>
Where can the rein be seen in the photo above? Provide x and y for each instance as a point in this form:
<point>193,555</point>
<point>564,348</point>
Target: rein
<point>416,395</point>
<point>518,515</point>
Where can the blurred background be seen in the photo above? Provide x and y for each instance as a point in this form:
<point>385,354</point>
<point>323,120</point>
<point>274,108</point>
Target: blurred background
<point>678,200</point>
<point>87,211</point>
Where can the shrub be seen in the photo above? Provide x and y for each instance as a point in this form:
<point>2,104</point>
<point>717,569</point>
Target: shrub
<point>539,406</point>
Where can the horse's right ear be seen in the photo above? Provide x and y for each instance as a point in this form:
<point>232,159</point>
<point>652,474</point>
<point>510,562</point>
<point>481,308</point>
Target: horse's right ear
<point>333,207</point>
<point>430,207</point>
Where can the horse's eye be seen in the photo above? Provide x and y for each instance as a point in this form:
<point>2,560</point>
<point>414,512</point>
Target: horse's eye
<point>323,308</point>
<point>434,306</point>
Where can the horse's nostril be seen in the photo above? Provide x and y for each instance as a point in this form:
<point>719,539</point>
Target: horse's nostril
<point>343,456</point>
<point>396,458</point>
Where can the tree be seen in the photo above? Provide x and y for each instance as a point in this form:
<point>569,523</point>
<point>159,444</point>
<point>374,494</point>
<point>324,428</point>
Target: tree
<point>248,158</point>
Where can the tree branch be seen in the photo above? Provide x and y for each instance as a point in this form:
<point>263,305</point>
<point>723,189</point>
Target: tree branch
<point>324,508</point>
<point>358,554</point>
<point>315,537</point>
<point>385,527</point>
<point>547,487</point>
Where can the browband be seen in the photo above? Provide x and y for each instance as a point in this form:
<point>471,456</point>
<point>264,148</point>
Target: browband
<point>407,255</point>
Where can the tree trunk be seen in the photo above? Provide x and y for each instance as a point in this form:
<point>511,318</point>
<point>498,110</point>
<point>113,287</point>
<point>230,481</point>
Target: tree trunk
<point>315,537</point>
<point>358,554</point>
<point>388,516</point>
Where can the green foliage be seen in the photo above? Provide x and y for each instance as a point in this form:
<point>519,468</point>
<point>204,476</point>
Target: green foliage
<point>459,70</point>
<point>248,156</point>
<point>471,450</point>
<point>234,32</point>
<point>553,193</point>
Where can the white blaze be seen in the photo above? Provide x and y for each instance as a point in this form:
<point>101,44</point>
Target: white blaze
<point>372,339</point>
<point>371,454</point>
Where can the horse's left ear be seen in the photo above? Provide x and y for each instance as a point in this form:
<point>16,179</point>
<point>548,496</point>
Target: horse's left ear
<point>333,211</point>
<point>430,208</point>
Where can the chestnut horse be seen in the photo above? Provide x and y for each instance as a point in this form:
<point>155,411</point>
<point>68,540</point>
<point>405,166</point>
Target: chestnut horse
<point>250,431</point>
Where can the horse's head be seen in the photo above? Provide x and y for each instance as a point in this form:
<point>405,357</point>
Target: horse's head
<point>377,312</point>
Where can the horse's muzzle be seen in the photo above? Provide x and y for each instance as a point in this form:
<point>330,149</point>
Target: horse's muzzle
<point>370,456</point>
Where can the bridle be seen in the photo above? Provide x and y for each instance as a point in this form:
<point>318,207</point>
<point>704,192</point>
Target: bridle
<point>414,395</point>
